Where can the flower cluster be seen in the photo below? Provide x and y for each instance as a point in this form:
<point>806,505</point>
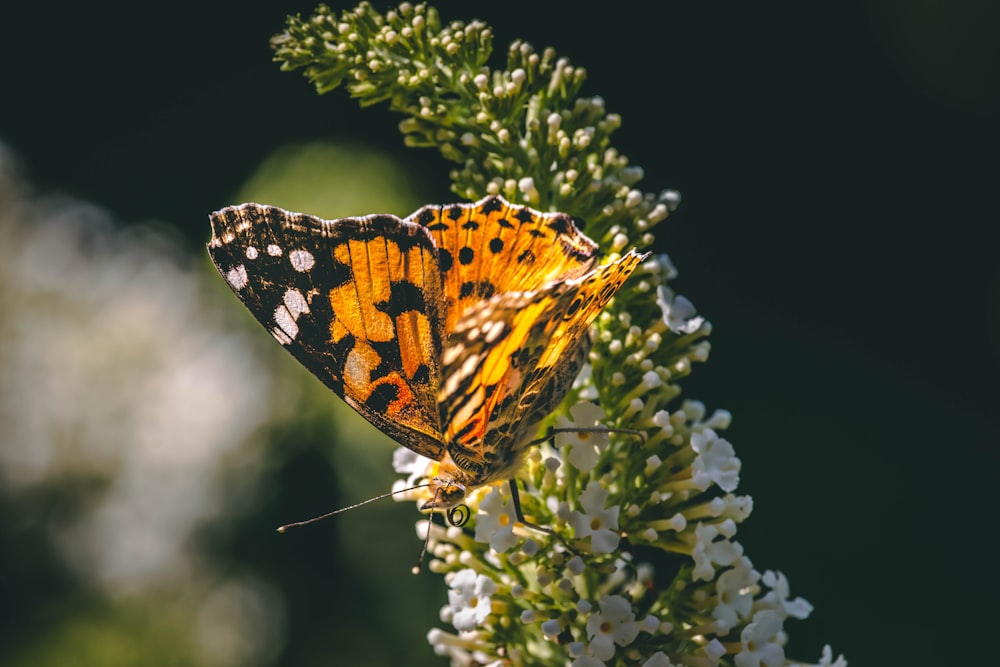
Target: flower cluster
<point>522,132</point>
<point>638,564</point>
<point>587,598</point>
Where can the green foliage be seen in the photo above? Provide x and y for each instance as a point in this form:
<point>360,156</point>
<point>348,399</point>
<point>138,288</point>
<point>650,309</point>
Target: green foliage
<point>523,131</point>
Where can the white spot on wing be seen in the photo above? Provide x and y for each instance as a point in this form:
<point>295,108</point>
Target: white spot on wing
<point>273,250</point>
<point>251,252</point>
<point>493,331</point>
<point>280,336</point>
<point>286,322</point>
<point>302,260</point>
<point>356,370</point>
<point>295,303</point>
<point>237,277</point>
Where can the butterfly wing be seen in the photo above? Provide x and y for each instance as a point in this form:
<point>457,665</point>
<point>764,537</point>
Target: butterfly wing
<point>358,301</point>
<point>510,362</point>
<point>490,247</point>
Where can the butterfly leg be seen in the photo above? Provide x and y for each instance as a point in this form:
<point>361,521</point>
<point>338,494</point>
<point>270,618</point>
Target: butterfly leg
<point>586,429</point>
<point>516,498</point>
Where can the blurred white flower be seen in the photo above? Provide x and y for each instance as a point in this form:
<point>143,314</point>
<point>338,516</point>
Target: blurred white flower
<point>469,599</point>
<point>658,659</point>
<point>124,374</point>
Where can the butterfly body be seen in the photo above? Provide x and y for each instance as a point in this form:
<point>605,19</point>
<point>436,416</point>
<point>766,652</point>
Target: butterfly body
<point>455,331</point>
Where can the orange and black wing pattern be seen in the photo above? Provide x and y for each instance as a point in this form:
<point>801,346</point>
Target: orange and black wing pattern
<point>491,247</point>
<point>358,301</point>
<point>511,360</point>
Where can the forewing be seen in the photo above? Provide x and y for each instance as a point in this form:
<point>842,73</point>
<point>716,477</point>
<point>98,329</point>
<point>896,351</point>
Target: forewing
<point>511,360</point>
<point>358,301</point>
<point>490,247</point>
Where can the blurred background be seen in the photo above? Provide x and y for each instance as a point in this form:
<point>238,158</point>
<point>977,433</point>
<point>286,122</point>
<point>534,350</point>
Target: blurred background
<point>838,167</point>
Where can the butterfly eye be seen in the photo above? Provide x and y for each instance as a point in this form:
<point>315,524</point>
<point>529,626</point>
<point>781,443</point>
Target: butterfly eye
<point>451,495</point>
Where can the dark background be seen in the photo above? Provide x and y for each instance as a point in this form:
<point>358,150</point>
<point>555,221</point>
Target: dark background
<point>838,164</point>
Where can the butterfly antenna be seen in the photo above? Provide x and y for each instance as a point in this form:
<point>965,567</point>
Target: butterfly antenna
<point>315,519</point>
<point>427,538</point>
<point>423,550</point>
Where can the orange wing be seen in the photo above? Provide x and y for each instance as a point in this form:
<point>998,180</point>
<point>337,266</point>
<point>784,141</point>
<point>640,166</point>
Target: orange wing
<point>510,362</point>
<point>358,301</point>
<point>490,247</point>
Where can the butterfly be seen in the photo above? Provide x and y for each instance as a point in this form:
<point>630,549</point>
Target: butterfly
<point>455,331</point>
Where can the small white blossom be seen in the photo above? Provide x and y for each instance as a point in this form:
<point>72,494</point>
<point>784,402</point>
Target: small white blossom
<point>679,314</point>
<point>584,384</point>
<point>760,641</point>
<point>614,624</point>
<point>416,468</point>
<point>495,521</point>
<point>598,523</point>
<point>650,624</point>
<point>405,461</point>
<point>584,447</point>
<point>709,552</point>
<point>735,593</point>
<point>716,461</point>
<point>826,660</point>
<point>658,659</point>
<point>777,597</point>
<point>469,599</point>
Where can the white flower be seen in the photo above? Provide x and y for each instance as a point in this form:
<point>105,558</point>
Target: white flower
<point>614,624</point>
<point>405,461</point>
<point>587,661</point>
<point>658,659</point>
<point>734,589</point>
<point>777,597</point>
<point>584,447</point>
<point>598,523</point>
<point>709,552</point>
<point>584,384</point>
<point>124,378</point>
<point>679,314</point>
<point>469,599</point>
<point>495,521</point>
<point>760,641</point>
<point>417,468</point>
<point>716,462</point>
<point>826,660</point>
